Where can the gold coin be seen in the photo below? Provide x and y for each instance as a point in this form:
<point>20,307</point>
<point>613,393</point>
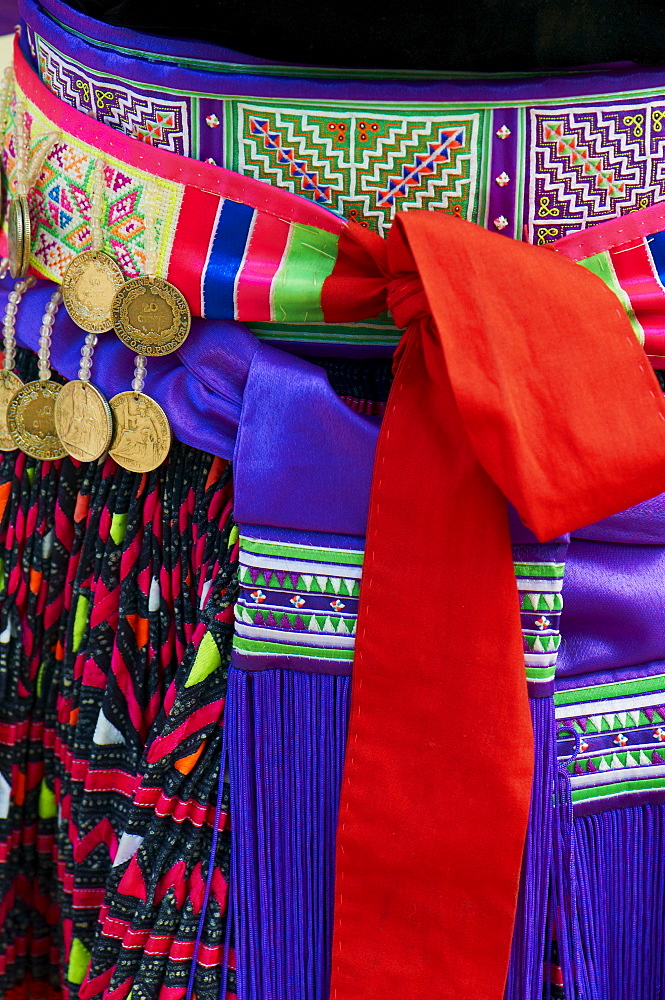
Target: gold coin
<point>88,287</point>
<point>83,420</point>
<point>31,420</point>
<point>151,316</point>
<point>19,236</point>
<point>141,432</point>
<point>9,385</point>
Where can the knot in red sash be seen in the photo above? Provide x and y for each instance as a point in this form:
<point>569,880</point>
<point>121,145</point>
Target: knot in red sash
<point>407,301</point>
<point>520,378</point>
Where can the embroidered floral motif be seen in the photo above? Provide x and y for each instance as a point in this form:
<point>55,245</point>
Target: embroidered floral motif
<point>620,740</point>
<point>336,605</point>
<point>297,601</point>
<point>501,222</point>
<point>503,132</point>
<point>212,121</point>
<point>659,734</point>
<point>258,596</point>
<point>502,179</point>
<point>542,622</point>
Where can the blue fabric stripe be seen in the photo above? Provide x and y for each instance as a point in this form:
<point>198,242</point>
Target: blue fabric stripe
<point>656,245</point>
<point>228,247</point>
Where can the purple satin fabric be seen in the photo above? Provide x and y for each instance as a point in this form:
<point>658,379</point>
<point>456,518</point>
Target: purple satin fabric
<point>614,611</point>
<point>320,480</point>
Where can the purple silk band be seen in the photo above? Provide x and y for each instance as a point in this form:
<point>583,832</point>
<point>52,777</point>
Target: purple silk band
<point>320,480</point>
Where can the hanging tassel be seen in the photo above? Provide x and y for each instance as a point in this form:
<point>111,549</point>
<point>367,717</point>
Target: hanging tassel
<point>287,732</point>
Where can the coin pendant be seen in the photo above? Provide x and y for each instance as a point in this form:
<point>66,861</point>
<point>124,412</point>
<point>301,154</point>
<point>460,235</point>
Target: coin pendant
<point>88,286</point>
<point>141,432</point>
<point>9,385</point>
<point>31,420</point>
<point>151,316</point>
<point>19,236</point>
<point>83,421</point>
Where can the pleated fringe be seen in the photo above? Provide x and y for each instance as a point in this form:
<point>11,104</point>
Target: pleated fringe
<point>530,939</point>
<point>287,733</point>
<point>614,898</point>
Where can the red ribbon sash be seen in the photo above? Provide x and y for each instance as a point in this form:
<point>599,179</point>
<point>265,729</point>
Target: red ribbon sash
<point>518,376</point>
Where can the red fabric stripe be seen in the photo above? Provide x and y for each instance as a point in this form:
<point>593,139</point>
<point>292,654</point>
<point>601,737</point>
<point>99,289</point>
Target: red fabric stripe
<point>193,235</point>
<point>267,243</point>
<point>506,385</point>
<point>636,274</point>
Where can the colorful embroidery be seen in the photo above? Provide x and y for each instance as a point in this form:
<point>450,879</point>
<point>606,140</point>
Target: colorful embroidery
<point>613,734</point>
<point>361,161</point>
<point>60,203</point>
<point>305,609</point>
<point>150,117</point>
<point>592,163</point>
<point>539,585</point>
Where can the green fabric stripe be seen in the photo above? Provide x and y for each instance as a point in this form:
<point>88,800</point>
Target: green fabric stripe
<point>332,556</point>
<point>327,333</point>
<point>601,692</point>
<point>309,259</point>
<point>539,569</point>
<point>601,265</point>
<point>259,646</point>
<point>540,674</point>
<point>627,785</point>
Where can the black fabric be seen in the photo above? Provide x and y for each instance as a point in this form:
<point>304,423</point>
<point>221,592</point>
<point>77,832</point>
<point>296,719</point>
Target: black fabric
<point>485,36</point>
<point>370,379</point>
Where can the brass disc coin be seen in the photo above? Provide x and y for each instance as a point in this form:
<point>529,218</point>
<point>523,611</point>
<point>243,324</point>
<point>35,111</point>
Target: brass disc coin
<point>9,385</point>
<point>141,432</point>
<point>151,316</point>
<point>88,286</point>
<point>31,420</point>
<point>83,421</point>
<point>19,236</point>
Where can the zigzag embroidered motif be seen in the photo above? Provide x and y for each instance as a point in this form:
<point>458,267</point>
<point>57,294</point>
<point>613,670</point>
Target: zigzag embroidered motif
<point>365,166</point>
<point>588,164</point>
<point>423,164</point>
<point>159,122</point>
<point>581,159</point>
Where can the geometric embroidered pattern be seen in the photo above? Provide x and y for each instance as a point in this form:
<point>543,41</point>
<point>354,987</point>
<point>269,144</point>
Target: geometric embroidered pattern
<point>297,601</point>
<point>364,165</point>
<point>612,737</point>
<point>60,203</point>
<point>298,604</point>
<point>591,164</point>
<point>156,120</point>
<point>539,585</point>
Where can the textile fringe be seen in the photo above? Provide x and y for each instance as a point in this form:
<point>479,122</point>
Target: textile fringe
<point>287,733</point>
<point>619,864</point>
<point>525,974</point>
<point>605,865</point>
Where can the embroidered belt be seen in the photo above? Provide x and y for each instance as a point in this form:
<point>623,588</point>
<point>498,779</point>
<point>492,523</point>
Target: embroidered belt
<point>242,250</point>
<point>474,416</point>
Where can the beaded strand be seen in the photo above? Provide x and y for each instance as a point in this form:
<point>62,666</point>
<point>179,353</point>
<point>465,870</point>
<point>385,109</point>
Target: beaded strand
<point>9,319</point>
<point>150,221</point>
<point>48,319</point>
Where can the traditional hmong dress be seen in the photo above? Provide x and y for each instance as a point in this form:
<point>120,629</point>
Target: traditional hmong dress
<point>177,648</point>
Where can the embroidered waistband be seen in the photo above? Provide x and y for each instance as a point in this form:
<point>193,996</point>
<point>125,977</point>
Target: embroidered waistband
<point>241,249</point>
